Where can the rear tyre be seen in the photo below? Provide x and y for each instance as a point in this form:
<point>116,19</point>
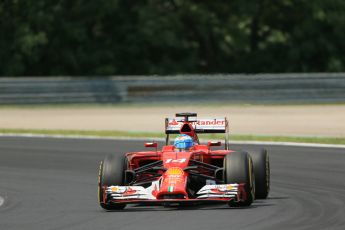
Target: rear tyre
<point>238,168</point>
<point>261,165</point>
<point>111,172</point>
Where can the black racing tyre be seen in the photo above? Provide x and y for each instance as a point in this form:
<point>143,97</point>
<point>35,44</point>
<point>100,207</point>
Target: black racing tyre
<point>261,165</point>
<point>238,168</point>
<point>111,172</point>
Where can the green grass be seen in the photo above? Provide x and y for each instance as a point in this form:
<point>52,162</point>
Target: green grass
<point>321,140</point>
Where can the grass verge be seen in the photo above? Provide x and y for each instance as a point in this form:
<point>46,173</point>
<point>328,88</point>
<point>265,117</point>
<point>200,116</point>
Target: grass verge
<point>319,140</point>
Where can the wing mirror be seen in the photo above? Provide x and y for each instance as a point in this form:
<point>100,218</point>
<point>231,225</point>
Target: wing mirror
<point>151,144</point>
<point>214,143</point>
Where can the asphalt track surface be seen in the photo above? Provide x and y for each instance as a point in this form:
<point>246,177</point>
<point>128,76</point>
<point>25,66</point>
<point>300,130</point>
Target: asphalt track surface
<point>51,183</point>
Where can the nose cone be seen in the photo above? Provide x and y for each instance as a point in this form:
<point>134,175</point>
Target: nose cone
<point>173,184</point>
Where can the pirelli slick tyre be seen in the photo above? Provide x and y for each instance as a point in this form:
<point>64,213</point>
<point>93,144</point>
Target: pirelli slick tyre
<point>261,165</point>
<point>111,172</point>
<point>238,168</point>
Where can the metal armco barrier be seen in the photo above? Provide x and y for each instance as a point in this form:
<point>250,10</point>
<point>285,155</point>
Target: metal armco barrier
<point>59,90</point>
<point>238,88</point>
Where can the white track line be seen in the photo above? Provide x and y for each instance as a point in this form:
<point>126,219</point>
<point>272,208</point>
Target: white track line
<point>162,139</point>
<point>2,201</point>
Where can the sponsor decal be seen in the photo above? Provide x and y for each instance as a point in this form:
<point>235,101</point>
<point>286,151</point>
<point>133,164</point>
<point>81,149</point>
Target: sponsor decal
<point>215,190</point>
<point>204,122</point>
<point>173,122</point>
<point>155,189</point>
<point>174,176</point>
<point>229,187</point>
<point>122,189</point>
<point>181,160</point>
<point>129,191</point>
<point>174,179</point>
<point>174,171</point>
<point>223,188</point>
<point>214,122</point>
<point>170,188</point>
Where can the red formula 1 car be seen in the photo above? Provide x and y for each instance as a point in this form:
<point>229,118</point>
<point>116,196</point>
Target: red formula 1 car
<point>197,174</point>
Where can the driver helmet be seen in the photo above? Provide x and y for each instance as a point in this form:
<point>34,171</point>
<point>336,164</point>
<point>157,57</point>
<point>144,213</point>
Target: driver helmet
<point>183,142</point>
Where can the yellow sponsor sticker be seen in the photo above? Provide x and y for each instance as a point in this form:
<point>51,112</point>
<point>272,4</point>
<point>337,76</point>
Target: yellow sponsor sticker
<point>174,171</point>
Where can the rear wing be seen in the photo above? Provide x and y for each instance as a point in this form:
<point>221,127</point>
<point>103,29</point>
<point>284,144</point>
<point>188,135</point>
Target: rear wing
<point>203,125</point>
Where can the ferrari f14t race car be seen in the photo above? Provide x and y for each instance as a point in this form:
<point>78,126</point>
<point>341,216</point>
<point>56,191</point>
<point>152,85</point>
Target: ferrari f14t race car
<point>184,171</point>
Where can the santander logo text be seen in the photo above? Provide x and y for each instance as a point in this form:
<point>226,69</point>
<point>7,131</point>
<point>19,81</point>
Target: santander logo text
<point>213,122</point>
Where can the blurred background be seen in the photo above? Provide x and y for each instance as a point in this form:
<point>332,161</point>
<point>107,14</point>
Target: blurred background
<point>255,58</point>
<point>126,37</point>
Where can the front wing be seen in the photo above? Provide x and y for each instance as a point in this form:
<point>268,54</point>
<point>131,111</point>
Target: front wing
<point>223,193</point>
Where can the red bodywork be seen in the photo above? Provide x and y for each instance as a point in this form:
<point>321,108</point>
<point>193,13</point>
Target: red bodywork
<point>172,169</point>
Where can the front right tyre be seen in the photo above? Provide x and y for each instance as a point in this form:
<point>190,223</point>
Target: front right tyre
<point>262,173</point>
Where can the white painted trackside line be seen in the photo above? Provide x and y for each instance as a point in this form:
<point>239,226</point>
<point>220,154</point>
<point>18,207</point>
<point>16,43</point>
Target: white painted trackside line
<point>297,144</point>
<point>162,139</point>
<point>2,201</point>
<point>79,137</point>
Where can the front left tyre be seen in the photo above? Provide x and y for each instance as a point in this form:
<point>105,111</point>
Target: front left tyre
<point>111,172</point>
<point>238,168</point>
